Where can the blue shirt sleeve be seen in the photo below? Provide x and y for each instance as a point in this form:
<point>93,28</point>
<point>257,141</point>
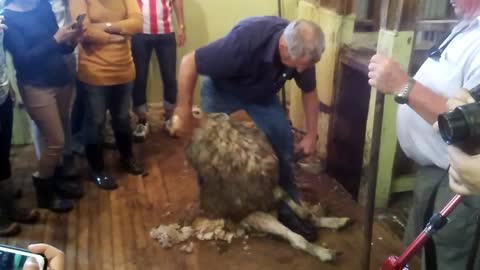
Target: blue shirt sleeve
<point>225,57</point>
<point>306,80</point>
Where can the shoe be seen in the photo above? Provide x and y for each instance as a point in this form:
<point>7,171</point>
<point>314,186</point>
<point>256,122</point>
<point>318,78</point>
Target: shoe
<point>7,226</point>
<point>69,189</point>
<point>47,197</point>
<point>140,133</point>
<point>94,155</point>
<point>132,166</point>
<point>10,229</point>
<point>24,215</point>
<point>68,169</point>
<point>103,181</point>
<point>302,227</point>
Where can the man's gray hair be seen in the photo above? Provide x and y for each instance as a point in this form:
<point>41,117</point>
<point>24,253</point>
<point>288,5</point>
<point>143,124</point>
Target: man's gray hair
<point>304,38</point>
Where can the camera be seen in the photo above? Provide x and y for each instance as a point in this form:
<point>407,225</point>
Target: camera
<point>462,125</point>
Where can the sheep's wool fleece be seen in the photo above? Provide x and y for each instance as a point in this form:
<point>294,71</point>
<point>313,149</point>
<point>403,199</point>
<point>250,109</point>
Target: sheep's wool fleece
<point>238,166</point>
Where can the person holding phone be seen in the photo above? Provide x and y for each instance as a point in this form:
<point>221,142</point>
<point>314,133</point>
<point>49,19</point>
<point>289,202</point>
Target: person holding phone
<point>66,172</point>
<point>55,258</point>
<point>107,71</point>
<point>38,47</point>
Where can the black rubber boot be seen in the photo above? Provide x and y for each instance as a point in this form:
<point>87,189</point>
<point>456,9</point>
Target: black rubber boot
<point>47,197</point>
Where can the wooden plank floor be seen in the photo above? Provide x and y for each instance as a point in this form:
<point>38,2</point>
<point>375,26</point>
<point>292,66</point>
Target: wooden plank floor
<point>110,230</point>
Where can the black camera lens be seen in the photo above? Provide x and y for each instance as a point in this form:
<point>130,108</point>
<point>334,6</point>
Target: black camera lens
<point>461,124</point>
<point>453,127</point>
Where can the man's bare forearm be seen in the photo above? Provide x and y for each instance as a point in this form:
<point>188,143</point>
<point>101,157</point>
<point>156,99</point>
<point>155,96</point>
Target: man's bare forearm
<point>426,103</point>
<point>187,78</point>
<point>178,9</point>
<point>310,107</point>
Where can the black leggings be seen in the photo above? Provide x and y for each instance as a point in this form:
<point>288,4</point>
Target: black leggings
<point>6,122</point>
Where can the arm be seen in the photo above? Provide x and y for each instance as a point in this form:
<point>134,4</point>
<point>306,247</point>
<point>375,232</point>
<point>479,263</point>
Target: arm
<point>187,78</point>
<point>178,9</point>
<point>91,33</point>
<point>15,43</point>
<point>426,103</point>
<point>133,24</point>
<point>310,107</point>
<point>388,77</point>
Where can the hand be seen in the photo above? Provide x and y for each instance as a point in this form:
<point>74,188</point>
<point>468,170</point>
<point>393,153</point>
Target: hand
<point>109,29</point>
<point>464,172</point>
<point>66,34</point>
<point>3,27</point>
<point>55,257</point>
<point>114,38</point>
<point>386,75</point>
<point>180,124</point>
<point>307,146</point>
<point>180,38</point>
<point>463,97</point>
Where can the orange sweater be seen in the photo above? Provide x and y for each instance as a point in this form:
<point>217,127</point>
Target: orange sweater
<point>102,62</point>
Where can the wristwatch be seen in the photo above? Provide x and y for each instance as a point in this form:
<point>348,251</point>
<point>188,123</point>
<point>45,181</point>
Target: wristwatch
<point>402,96</point>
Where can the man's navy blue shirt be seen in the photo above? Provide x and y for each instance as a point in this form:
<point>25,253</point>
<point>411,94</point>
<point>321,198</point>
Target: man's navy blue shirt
<point>246,62</point>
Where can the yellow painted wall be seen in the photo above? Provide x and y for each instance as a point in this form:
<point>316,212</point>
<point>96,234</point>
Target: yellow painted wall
<point>208,20</point>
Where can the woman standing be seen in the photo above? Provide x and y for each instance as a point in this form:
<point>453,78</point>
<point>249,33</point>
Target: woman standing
<point>107,71</point>
<point>38,47</point>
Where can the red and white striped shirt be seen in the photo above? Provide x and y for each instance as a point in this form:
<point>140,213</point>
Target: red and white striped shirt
<point>157,16</point>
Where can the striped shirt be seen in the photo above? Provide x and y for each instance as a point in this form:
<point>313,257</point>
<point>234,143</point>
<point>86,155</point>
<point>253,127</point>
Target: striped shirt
<point>157,16</point>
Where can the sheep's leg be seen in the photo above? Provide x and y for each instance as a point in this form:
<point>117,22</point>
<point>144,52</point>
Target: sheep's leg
<point>330,222</point>
<point>305,213</point>
<point>267,223</point>
<point>280,194</point>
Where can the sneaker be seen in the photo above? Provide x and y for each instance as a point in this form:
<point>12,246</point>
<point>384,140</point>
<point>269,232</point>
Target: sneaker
<point>140,132</point>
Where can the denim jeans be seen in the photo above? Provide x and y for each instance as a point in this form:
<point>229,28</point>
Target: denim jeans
<point>116,99</point>
<point>268,116</point>
<point>166,50</point>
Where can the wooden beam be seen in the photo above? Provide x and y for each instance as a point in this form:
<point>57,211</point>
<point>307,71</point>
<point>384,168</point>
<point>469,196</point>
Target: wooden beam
<point>399,15</point>
<point>341,7</point>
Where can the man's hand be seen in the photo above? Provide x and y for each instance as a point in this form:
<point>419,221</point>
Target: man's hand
<point>386,75</point>
<point>307,146</point>
<point>55,257</point>
<point>180,37</point>
<point>180,124</point>
<point>464,172</point>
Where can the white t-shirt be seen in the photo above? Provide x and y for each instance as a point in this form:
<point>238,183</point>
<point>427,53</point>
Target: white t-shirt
<point>458,67</point>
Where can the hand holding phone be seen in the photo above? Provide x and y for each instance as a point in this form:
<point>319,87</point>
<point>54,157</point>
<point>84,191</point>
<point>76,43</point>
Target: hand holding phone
<point>19,259</point>
<point>79,21</point>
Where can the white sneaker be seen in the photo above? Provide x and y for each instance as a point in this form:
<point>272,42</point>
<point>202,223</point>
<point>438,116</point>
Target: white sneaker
<point>140,133</point>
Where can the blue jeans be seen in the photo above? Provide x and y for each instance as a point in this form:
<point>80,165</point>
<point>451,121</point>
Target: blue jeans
<point>116,99</point>
<point>166,52</point>
<point>268,116</point>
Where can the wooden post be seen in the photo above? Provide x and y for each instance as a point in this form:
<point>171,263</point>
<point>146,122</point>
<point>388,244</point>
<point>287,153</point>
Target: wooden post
<point>337,21</point>
<point>396,38</point>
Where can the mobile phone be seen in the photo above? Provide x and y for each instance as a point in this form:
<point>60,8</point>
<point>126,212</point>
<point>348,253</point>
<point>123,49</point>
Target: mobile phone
<point>79,21</point>
<point>13,258</point>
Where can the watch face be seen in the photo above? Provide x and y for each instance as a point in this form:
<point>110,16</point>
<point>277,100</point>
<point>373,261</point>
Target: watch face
<point>400,99</point>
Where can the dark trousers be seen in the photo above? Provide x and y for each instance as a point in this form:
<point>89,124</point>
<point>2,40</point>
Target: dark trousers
<point>453,243</point>
<point>166,50</point>
<point>6,122</point>
<point>116,99</point>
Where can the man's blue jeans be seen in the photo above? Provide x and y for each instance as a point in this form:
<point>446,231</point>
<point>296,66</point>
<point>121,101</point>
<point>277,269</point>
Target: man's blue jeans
<point>268,116</point>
